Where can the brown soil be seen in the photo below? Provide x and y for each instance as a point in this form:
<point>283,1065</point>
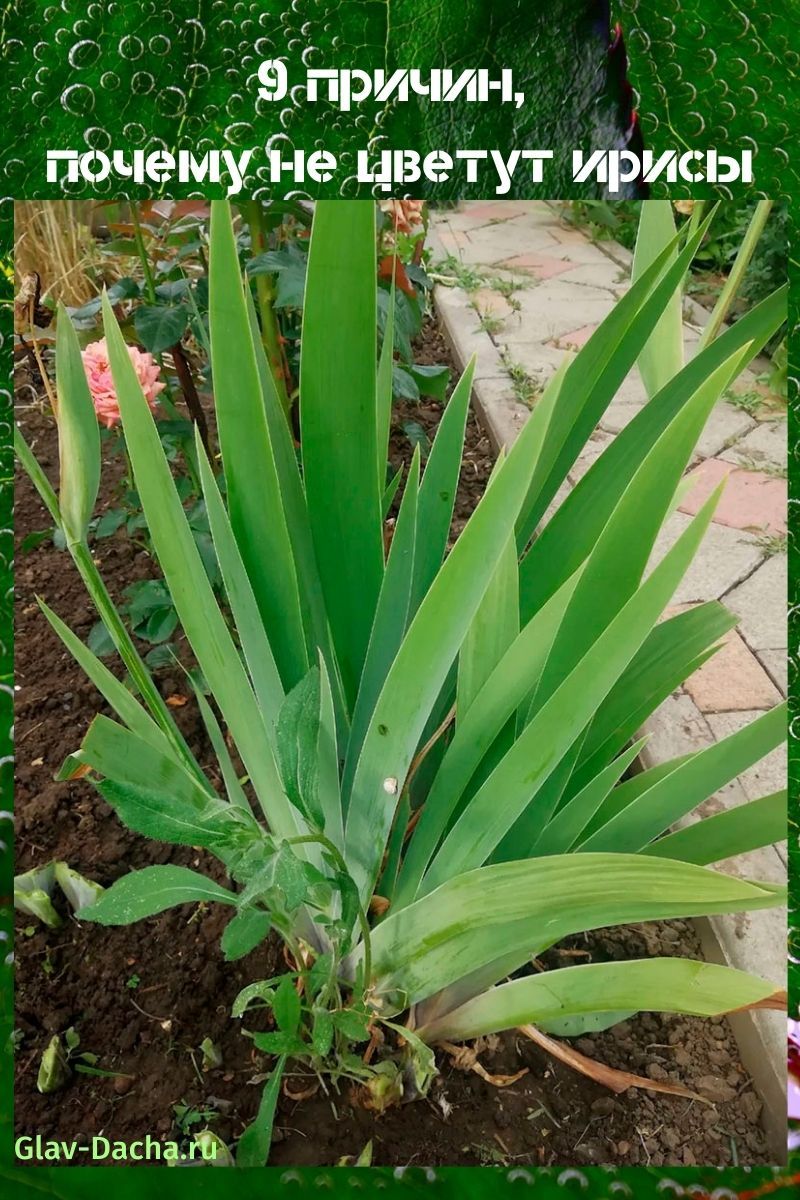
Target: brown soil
<point>144,997</point>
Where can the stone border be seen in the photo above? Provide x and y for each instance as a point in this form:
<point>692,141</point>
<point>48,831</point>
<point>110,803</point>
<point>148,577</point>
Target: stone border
<point>754,941</point>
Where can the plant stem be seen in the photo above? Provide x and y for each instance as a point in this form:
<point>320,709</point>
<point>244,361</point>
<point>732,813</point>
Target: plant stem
<point>328,845</point>
<point>138,237</point>
<point>89,573</point>
<point>167,401</point>
<point>184,373</point>
<point>738,271</point>
<point>265,293</point>
<point>98,592</point>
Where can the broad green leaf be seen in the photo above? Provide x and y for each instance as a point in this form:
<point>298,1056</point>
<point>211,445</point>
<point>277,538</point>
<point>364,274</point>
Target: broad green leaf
<point>78,434</point>
<point>512,680</point>
<point>254,1144</point>
<point>523,835</point>
<point>592,379</point>
<point>254,497</point>
<point>494,627</point>
<point>322,1032</point>
<point>123,756</point>
<point>278,1042</point>
<point>78,890</point>
<point>286,1006</point>
<point>572,532</point>
<point>296,743</point>
<point>671,653</point>
<point>124,703</point>
<point>662,356</point>
<point>384,390</point>
<point>262,990</point>
<point>246,930</point>
<point>289,877</point>
<point>190,589</point>
<point>578,1024</point>
<point>437,492</point>
<point>563,830</point>
<point>391,619</point>
<point>160,326</point>
<point>735,831</point>
<point>617,562</point>
<point>32,892</point>
<point>329,792</point>
<point>428,651</point>
<point>459,927</point>
<point>151,890</point>
<point>431,380</point>
<point>353,1024</point>
<point>312,601</point>
<point>390,491</point>
<point>675,985</point>
<point>164,818</point>
<point>537,752</point>
<point>256,646</point>
<point>37,476</point>
<point>233,787</point>
<point>338,424</point>
<point>675,794</point>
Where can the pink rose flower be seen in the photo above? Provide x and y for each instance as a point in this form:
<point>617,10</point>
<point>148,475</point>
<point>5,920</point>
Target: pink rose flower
<point>101,384</point>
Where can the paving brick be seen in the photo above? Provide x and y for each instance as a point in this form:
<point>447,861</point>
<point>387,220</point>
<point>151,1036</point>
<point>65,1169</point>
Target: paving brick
<point>576,339</point>
<point>591,452</point>
<point>751,499</point>
<point>760,603</point>
<point>556,502</point>
<point>491,303</point>
<point>539,360</point>
<point>777,664</point>
<point>453,241</point>
<point>567,236</point>
<point>555,309</point>
<point>600,274</point>
<point>676,727</point>
<point>501,413</point>
<point>495,243</point>
<point>725,558</point>
<point>539,265</point>
<point>733,679</point>
<point>618,415</point>
<point>462,328</point>
<point>632,389</point>
<point>766,443</point>
<point>725,423</point>
<point>481,212</point>
<point>765,777</point>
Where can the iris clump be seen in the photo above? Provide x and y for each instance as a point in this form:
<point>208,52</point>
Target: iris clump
<point>421,778</point>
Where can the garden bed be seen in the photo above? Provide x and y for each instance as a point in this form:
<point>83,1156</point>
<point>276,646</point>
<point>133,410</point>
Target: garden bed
<point>144,997</point>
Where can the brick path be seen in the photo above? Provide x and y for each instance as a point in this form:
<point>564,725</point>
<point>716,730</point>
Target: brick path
<point>528,289</point>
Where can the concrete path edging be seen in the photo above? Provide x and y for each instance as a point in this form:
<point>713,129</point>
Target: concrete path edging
<point>526,288</point>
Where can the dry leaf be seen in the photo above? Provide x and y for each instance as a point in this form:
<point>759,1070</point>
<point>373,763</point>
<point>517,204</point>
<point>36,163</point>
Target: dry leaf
<point>464,1058</point>
<point>610,1077</point>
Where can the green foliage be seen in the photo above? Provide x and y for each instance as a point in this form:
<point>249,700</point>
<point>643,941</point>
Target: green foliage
<point>528,655</point>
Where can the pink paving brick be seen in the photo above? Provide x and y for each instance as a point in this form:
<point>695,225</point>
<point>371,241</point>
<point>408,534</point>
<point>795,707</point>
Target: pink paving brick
<point>574,340</point>
<point>733,680</point>
<point>539,265</point>
<point>453,239</point>
<point>565,235</point>
<point>751,499</point>
<point>497,210</point>
<point>489,302</point>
